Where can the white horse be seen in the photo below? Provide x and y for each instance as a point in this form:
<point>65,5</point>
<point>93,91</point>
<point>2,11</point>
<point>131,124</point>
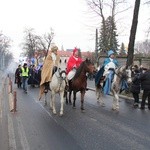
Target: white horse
<point>122,73</point>
<point>57,86</point>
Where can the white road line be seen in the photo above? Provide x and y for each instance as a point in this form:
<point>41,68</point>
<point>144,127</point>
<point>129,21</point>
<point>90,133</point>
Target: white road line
<point>39,103</point>
<point>22,135</point>
<point>11,134</point>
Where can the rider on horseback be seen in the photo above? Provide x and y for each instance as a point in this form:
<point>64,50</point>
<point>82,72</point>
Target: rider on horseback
<point>107,71</point>
<point>73,63</point>
<point>50,65</point>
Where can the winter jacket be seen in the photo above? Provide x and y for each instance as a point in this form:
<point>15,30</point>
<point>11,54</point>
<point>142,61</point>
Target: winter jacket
<point>145,80</point>
<point>136,84</point>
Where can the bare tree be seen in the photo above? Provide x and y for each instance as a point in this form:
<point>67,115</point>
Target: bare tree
<point>47,40</point>
<point>143,48</point>
<point>4,50</point>
<point>31,43</point>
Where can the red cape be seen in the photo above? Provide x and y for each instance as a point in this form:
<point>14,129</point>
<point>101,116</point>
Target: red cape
<point>73,62</point>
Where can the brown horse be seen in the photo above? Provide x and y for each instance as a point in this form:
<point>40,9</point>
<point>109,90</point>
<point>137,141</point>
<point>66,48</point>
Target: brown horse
<point>79,82</point>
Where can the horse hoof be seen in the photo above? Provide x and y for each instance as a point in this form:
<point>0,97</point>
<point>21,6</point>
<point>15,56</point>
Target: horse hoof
<point>54,112</point>
<point>74,107</point>
<point>61,114</point>
<point>115,109</point>
<point>83,110</point>
<point>103,105</point>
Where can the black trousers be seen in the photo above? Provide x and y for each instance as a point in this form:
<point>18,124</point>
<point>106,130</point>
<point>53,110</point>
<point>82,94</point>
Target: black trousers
<point>136,97</point>
<point>146,94</point>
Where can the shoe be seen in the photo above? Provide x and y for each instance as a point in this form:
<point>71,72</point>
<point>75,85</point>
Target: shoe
<point>135,105</point>
<point>142,107</point>
<point>45,90</point>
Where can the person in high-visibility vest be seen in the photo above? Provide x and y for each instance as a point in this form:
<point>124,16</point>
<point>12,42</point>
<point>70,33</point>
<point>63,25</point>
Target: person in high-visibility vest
<point>25,75</point>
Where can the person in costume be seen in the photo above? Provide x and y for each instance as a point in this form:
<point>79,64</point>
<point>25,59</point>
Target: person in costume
<point>107,71</point>
<point>73,62</point>
<point>49,66</point>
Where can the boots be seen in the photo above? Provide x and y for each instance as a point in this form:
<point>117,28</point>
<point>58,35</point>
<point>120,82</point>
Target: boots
<point>46,84</point>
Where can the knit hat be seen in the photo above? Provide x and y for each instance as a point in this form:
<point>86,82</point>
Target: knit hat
<point>54,48</point>
<point>110,52</point>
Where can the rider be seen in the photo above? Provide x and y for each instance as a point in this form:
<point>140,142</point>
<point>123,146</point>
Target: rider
<point>107,71</point>
<point>50,65</point>
<point>73,62</point>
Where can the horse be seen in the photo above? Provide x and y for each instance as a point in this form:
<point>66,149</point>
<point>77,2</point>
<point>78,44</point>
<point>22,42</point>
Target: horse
<point>121,74</point>
<point>58,85</point>
<point>79,82</point>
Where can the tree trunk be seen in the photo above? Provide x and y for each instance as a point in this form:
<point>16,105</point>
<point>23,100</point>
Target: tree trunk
<point>133,33</point>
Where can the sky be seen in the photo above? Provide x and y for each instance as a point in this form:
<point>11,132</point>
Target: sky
<point>71,20</point>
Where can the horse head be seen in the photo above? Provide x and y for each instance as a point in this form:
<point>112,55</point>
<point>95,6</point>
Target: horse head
<point>124,73</point>
<point>90,68</point>
<point>62,74</point>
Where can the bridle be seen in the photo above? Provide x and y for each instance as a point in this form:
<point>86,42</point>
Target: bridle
<point>123,75</point>
<point>60,76</point>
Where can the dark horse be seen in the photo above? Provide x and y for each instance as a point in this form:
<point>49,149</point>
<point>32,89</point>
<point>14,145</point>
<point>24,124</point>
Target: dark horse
<point>79,82</point>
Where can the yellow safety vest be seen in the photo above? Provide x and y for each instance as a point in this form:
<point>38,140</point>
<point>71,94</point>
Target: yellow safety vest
<point>25,73</point>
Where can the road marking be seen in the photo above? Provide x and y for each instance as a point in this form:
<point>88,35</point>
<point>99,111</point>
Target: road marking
<point>23,138</point>
<point>11,134</point>
<point>39,102</point>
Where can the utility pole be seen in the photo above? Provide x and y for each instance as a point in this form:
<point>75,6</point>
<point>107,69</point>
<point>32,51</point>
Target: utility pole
<point>96,48</point>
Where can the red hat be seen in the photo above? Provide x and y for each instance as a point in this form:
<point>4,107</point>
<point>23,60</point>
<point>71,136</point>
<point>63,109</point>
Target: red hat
<point>75,50</point>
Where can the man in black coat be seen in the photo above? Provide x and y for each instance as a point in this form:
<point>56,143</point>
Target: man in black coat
<point>135,86</point>
<point>145,85</point>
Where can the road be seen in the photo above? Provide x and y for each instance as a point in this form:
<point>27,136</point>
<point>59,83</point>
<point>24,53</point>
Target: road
<point>34,127</point>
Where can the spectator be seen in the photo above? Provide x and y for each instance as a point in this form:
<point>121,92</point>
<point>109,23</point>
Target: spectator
<point>145,85</point>
<point>135,86</point>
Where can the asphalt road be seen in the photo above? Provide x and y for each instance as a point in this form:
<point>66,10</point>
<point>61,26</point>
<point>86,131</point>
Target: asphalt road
<point>34,127</point>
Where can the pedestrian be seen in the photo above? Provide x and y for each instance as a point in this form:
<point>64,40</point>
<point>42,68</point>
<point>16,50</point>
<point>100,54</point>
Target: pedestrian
<point>145,85</point>
<point>49,67</point>
<point>18,76</point>
<point>107,72</point>
<point>25,75</point>
<point>135,86</point>
<point>73,63</point>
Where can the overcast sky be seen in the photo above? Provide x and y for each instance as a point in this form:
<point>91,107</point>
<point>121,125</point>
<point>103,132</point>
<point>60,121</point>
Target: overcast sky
<point>72,24</point>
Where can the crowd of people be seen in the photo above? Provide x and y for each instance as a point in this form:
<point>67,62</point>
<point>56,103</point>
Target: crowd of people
<point>42,75</point>
<point>140,82</point>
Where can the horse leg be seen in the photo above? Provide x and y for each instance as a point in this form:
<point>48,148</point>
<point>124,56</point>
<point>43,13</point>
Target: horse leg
<point>82,100</point>
<point>99,96</point>
<point>53,102</point>
<point>70,97</point>
<point>66,96</point>
<point>74,99</point>
<point>45,99</point>
<point>115,101</point>
<point>61,103</point>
